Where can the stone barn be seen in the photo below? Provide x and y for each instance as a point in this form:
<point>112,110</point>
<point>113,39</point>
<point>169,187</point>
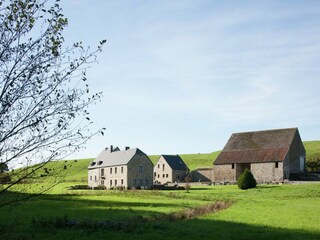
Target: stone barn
<point>271,155</point>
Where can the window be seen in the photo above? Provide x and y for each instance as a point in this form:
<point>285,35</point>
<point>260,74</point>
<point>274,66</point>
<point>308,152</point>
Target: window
<point>110,182</point>
<point>102,172</point>
<point>134,182</point>
<point>140,169</point>
<point>158,175</point>
<point>115,182</point>
<point>146,182</point>
<point>90,178</point>
<point>110,170</point>
<point>121,169</point>
<point>121,181</point>
<point>140,181</point>
<point>115,170</point>
<point>178,176</point>
<point>95,177</point>
<point>162,167</point>
<point>163,175</point>
<point>155,174</point>
<point>276,165</point>
<point>232,165</point>
<point>102,182</point>
<point>167,175</point>
<point>158,166</point>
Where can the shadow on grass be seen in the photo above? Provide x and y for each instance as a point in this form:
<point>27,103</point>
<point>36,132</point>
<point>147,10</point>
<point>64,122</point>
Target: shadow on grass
<point>18,223</point>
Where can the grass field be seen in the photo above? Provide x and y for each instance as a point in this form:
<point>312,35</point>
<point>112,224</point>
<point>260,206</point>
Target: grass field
<point>267,212</point>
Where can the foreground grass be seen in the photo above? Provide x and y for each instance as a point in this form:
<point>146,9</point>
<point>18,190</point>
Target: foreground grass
<point>267,212</point>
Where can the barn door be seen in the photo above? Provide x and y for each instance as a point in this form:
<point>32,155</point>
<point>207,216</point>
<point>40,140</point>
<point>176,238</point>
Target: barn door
<point>302,162</point>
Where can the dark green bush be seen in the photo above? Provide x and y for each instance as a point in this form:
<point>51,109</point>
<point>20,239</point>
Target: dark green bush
<point>5,178</point>
<point>246,180</point>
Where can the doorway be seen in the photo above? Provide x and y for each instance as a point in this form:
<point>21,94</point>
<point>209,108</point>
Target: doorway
<point>240,167</point>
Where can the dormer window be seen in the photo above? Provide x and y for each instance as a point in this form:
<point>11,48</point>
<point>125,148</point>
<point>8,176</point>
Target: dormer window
<point>100,162</point>
<point>93,163</point>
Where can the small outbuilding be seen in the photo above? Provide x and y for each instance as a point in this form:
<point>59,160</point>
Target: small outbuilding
<point>271,155</point>
<point>115,168</point>
<point>170,169</point>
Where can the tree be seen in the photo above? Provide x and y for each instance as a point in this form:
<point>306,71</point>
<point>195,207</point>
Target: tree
<point>44,95</point>
<point>5,177</point>
<point>246,180</point>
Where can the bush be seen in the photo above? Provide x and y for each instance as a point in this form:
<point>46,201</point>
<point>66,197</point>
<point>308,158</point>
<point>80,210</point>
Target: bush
<point>5,178</point>
<point>246,180</point>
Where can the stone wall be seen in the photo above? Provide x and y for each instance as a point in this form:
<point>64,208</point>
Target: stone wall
<point>224,173</point>
<point>267,172</point>
<point>296,151</point>
<point>178,175</point>
<point>94,177</point>
<point>116,176</point>
<point>202,175</point>
<point>163,172</point>
<point>140,172</point>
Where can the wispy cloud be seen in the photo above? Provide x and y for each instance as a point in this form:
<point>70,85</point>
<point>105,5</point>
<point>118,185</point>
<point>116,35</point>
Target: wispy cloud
<point>213,65</point>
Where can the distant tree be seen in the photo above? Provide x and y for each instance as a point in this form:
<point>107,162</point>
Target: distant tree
<point>44,96</point>
<point>246,180</point>
<point>4,175</point>
<point>3,167</point>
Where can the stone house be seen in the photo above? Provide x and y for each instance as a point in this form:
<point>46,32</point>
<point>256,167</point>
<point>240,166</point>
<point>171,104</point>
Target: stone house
<point>271,155</point>
<point>129,168</point>
<point>170,169</point>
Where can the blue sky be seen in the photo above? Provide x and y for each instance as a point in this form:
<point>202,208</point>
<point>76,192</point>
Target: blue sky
<point>181,76</point>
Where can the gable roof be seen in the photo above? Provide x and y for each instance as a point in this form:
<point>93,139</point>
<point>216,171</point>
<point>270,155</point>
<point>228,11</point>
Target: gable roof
<point>107,158</point>
<point>175,162</point>
<point>259,146</point>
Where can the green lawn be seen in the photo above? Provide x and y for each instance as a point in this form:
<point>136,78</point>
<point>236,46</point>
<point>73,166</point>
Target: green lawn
<point>267,212</point>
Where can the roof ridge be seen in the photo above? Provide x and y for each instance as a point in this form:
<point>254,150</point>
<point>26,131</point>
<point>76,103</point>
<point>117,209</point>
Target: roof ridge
<point>268,130</point>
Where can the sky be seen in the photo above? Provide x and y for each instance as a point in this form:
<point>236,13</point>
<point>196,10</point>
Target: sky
<point>182,76</point>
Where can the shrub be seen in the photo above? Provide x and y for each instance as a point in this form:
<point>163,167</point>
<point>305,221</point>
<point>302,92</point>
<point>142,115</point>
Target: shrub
<point>5,178</point>
<point>187,187</point>
<point>246,180</point>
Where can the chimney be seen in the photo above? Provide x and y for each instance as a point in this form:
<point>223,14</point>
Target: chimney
<point>127,148</point>
<point>111,148</point>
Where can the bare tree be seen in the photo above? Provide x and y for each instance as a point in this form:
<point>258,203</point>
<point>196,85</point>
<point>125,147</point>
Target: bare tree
<point>44,96</point>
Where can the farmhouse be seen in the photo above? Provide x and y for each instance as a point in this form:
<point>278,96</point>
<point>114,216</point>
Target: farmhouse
<point>170,168</point>
<point>271,155</point>
<point>129,168</point>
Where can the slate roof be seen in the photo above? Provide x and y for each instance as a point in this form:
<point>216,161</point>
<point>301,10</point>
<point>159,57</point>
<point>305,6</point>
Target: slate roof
<point>107,158</point>
<point>259,146</point>
<point>175,162</point>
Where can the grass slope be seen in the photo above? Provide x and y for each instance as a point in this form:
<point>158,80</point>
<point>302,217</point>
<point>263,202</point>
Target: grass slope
<point>312,149</point>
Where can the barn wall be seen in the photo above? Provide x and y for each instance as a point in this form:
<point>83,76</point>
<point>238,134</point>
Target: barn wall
<point>202,175</point>
<point>296,151</point>
<point>224,173</point>
<point>266,172</point>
